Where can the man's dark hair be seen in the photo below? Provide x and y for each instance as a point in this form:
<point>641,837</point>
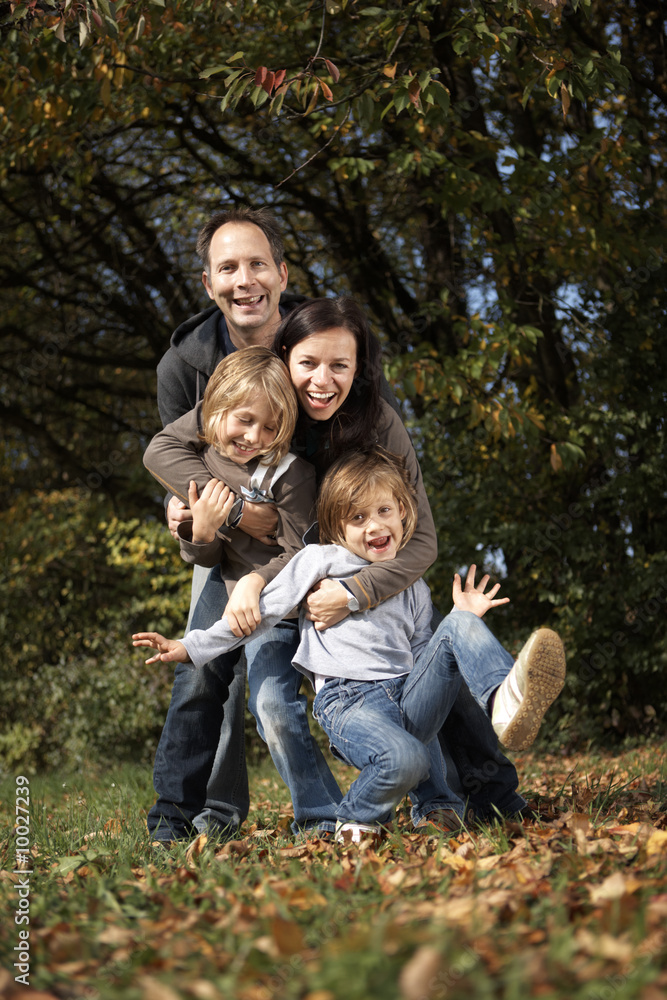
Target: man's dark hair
<point>263,218</point>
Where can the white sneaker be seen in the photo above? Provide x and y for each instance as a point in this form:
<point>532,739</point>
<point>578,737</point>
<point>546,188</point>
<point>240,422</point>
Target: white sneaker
<point>533,683</point>
<point>354,833</point>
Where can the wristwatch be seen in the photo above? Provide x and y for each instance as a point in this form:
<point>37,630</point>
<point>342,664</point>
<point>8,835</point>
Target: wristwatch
<point>352,602</point>
<point>235,514</point>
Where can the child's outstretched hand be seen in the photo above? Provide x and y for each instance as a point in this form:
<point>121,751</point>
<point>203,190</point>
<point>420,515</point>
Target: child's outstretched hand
<point>473,598</point>
<point>170,650</point>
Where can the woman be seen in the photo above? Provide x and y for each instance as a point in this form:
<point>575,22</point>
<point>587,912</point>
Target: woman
<point>335,366</point>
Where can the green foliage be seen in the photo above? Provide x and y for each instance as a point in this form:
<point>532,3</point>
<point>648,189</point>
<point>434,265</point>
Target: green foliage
<point>77,583</point>
<point>571,522</point>
<point>487,179</point>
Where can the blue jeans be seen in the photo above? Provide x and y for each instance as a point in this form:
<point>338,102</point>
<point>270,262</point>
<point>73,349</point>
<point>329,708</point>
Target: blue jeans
<point>385,728</point>
<point>227,794</point>
<point>477,770</point>
<point>281,714</point>
<point>199,773</point>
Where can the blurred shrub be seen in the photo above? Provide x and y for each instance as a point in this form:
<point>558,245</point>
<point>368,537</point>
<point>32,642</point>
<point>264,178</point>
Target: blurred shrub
<point>77,582</point>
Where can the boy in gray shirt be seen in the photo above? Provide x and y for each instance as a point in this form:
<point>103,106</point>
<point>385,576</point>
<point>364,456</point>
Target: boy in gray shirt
<point>384,682</point>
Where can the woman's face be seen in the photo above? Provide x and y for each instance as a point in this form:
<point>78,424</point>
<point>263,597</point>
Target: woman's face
<point>322,367</point>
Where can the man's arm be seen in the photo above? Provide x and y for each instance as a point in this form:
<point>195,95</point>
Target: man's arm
<point>176,387</point>
<point>180,385</point>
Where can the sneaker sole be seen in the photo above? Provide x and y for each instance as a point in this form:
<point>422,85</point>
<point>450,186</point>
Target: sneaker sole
<point>358,834</point>
<point>545,676</point>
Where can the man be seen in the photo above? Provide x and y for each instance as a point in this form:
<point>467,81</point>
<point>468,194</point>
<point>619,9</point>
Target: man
<point>245,275</point>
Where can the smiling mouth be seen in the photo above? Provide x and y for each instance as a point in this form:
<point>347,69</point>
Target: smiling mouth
<point>249,301</point>
<point>320,398</point>
<point>245,449</point>
<point>379,544</point>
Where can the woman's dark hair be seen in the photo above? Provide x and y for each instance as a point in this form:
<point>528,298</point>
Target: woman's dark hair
<point>355,423</point>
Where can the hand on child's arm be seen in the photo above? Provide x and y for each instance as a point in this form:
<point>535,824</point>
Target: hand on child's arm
<point>473,598</point>
<point>327,604</point>
<point>260,521</point>
<point>210,510</point>
<point>242,611</point>
<point>170,650</point>
<point>177,512</point>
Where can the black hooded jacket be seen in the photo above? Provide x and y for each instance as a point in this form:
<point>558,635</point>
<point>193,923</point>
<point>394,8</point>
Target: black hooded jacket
<point>197,346</point>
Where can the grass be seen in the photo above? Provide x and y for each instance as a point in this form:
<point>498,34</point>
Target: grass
<point>571,905</point>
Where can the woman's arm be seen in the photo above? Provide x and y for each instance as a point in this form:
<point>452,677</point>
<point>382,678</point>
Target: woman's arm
<point>295,493</point>
<point>375,583</point>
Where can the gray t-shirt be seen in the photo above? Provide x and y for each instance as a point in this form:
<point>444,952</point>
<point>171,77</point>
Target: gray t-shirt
<point>374,644</point>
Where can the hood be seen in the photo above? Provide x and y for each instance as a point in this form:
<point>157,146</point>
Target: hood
<point>197,340</point>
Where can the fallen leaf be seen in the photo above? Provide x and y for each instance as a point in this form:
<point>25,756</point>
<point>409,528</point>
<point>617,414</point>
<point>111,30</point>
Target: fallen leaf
<point>416,976</point>
<point>657,843</point>
<point>288,936</point>
<point>293,852</point>
<point>156,989</point>
<point>237,848</point>
<point>203,990</point>
<point>115,935</point>
<point>196,848</point>
<point>605,945</point>
<point>614,887</point>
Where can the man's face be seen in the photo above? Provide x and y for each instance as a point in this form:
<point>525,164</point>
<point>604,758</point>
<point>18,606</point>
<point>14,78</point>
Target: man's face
<point>245,282</point>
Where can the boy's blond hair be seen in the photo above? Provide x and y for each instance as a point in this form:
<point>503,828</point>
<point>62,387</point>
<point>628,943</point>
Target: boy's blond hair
<point>352,479</point>
<point>237,380</point>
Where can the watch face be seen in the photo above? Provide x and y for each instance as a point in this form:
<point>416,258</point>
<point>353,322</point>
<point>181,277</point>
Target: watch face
<point>353,604</point>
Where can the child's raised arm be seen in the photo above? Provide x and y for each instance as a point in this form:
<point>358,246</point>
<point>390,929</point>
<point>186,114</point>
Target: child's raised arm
<point>473,598</point>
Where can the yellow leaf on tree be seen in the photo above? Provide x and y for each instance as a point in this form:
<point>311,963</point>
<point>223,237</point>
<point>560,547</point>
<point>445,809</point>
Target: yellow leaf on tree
<point>555,459</point>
